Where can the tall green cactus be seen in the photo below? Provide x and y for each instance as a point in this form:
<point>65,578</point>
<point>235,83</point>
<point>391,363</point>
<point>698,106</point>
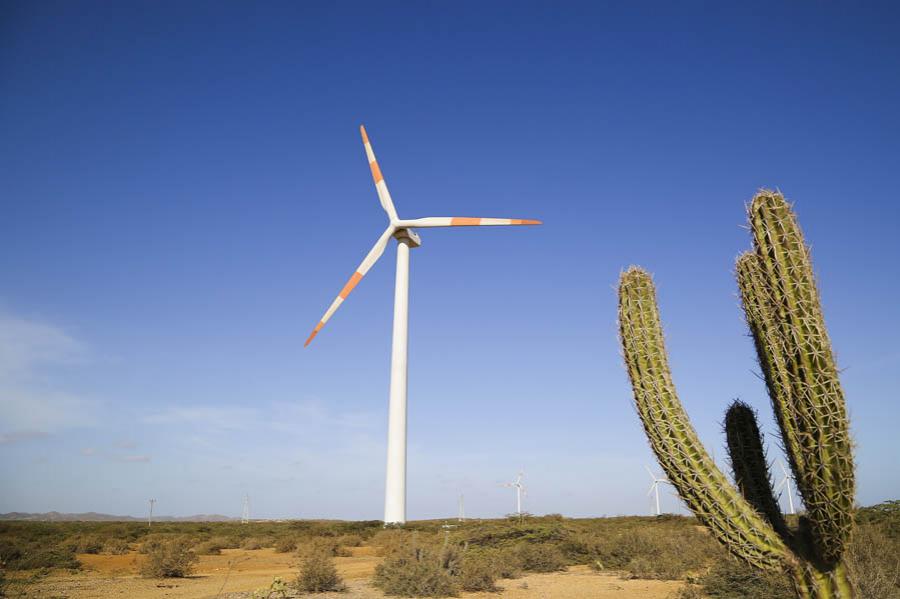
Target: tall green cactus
<point>782,309</point>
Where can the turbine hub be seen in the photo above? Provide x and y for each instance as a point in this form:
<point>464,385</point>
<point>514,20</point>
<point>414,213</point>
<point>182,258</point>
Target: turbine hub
<point>411,237</point>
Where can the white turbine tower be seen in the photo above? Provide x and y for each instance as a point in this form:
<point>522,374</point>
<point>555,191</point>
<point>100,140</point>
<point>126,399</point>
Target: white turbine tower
<point>520,491</point>
<point>462,508</point>
<point>245,512</point>
<point>654,487</point>
<point>150,517</point>
<point>402,231</point>
<point>786,485</point>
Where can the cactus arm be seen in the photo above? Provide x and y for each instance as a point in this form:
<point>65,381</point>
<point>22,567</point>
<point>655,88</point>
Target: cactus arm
<point>760,321</point>
<point>699,482</point>
<point>748,462</point>
<point>822,449</point>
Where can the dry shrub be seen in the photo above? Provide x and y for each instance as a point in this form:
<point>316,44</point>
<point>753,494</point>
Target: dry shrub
<point>254,543</point>
<point>540,557</point>
<point>317,572</point>
<point>419,570</point>
<point>688,592</point>
<point>507,563</point>
<point>85,543</point>
<point>286,545</point>
<point>350,541</point>
<point>327,545</point>
<point>213,546</point>
<point>115,546</point>
<point>874,563</point>
<point>172,558</point>
<point>659,554</point>
<point>733,579</point>
<point>478,572</point>
<point>389,541</point>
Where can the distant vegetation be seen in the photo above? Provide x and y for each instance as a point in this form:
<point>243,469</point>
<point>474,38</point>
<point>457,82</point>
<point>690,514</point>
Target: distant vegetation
<point>427,559</point>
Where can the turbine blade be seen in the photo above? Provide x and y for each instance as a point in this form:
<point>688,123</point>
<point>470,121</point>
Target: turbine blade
<point>384,196</point>
<point>463,221</point>
<point>652,487</point>
<point>652,476</point>
<point>370,259</point>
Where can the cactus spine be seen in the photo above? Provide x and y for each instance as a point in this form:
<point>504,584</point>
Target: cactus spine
<point>782,309</point>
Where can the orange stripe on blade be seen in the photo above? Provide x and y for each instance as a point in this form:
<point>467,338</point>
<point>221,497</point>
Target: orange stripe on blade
<point>525,221</point>
<point>376,172</point>
<point>463,221</point>
<point>314,333</point>
<point>365,137</point>
<point>354,280</point>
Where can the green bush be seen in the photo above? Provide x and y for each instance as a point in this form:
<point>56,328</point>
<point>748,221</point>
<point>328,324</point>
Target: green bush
<point>35,556</point>
<point>172,558</point>
<point>318,574</point>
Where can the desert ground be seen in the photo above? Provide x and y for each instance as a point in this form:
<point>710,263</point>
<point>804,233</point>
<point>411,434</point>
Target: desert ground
<point>237,573</point>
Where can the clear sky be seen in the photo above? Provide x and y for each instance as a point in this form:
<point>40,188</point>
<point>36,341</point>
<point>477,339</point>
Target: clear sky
<point>184,192</point>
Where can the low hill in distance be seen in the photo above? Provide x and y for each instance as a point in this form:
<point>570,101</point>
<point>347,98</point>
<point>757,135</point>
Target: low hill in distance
<point>95,517</point>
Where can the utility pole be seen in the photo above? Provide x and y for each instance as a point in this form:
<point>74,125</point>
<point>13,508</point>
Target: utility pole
<point>245,514</point>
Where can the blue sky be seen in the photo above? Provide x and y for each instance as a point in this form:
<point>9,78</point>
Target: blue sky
<point>184,192</point>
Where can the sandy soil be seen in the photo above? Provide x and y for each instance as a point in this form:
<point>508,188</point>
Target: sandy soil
<point>236,573</point>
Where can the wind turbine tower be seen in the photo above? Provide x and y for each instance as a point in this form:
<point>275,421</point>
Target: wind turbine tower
<point>786,485</point>
<point>654,487</point>
<point>462,508</point>
<point>407,238</point>
<point>520,491</point>
<point>150,517</point>
<point>245,513</point>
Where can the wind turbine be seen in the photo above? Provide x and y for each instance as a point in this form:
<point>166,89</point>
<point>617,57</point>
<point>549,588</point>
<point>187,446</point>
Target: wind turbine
<point>520,491</point>
<point>150,517</point>
<point>402,231</point>
<point>245,511</point>
<point>462,508</point>
<point>786,485</point>
<point>654,487</point>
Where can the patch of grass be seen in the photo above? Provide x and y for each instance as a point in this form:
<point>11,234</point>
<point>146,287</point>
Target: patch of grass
<point>873,560</point>
<point>172,558</point>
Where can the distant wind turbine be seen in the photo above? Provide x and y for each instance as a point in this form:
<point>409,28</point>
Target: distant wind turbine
<point>654,487</point>
<point>404,232</point>
<point>786,485</point>
<point>150,517</point>
<point>520,491</point>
